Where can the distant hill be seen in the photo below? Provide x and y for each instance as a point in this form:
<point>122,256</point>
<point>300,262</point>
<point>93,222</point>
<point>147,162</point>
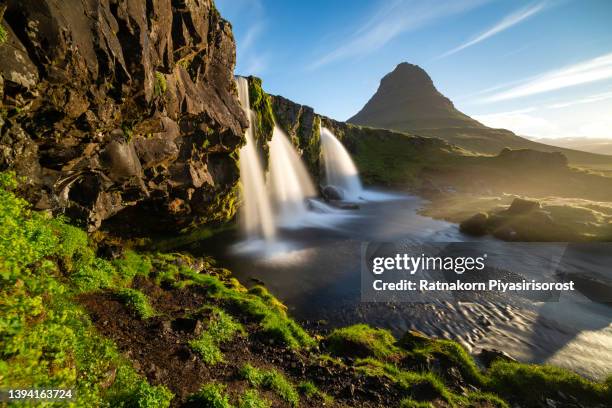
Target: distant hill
<point>591,145</point>
<point>408,101</point>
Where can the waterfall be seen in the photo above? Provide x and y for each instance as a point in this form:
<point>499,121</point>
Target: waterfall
<point>290,183</point>
<point>255,216</point>
<point>340,171</point>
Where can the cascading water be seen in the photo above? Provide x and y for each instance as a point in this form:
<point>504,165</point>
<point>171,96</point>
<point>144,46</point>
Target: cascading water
<point>290,184</point>
<point>340,171</point>
<point>256,212</point>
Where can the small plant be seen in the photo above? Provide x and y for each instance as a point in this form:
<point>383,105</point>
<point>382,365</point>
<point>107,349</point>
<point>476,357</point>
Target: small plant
<point>251,399</point>
<point>161,86</point>
<point>136,301</point>
<point>222,328</point>
<point>3,34</point>
<point>148,396</point>
<point>211,395</point>
<point>272,380</point>
<point>206,346</point>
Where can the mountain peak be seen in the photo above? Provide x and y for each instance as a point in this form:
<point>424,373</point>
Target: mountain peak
<point>408,100</point>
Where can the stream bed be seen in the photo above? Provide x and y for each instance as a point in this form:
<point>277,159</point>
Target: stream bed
<point>315,269</point>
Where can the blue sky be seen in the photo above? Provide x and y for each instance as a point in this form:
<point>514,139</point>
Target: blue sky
<point>539,68</point>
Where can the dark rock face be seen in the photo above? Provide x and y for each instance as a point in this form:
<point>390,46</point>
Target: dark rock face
<point>303,127</point>
<point>110,105</point>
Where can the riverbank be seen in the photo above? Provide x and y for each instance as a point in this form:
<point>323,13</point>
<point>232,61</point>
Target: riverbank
<point>119,329</point>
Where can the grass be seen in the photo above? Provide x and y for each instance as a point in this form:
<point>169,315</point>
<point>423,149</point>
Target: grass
<point>46,340</point>
<point>252,399</point>
<point>259,306</point>
<point>272,380</point>
<point>211,395</point>
<point>310,390</point>
<point>511,379</point>
<point>222,328</point>
<point>361,340</point>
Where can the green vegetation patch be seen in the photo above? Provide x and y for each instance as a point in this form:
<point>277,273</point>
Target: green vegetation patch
<point>252,399</point>
<point>259,306</point>
<point>262,106</point>
<point>511,379</point>
<point>137,302</point>
<point>222,328</point>
<point>46,340</point>
<point>361,340</point>
<point>211,395</point>
<point>272,380</point>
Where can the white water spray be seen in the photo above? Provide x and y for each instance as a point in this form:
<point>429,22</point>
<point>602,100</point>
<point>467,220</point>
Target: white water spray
<point>340,171</point>
<point>290,184</point>
<point>255,216</point>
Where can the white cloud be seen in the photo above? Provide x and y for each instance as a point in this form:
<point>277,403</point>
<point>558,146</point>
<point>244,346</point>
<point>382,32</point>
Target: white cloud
<point>391,20</point>
<point>504,24</point>
<point>522,123</point>
<point>596,69</point>
<point>588,99</point>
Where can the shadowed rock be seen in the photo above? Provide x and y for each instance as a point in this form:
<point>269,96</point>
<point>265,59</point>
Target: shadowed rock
<point>116,105</point>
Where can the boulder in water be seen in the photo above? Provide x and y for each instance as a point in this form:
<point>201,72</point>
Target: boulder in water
<point>331,193</point>
<point>475,225</point>
<point>522,206</point>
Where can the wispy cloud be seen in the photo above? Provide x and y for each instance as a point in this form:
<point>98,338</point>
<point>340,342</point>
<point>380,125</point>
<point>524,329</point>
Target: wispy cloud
<point>587,99</point>
<point>389,21</point>
<point>596,69</point>
<point>505,23</point>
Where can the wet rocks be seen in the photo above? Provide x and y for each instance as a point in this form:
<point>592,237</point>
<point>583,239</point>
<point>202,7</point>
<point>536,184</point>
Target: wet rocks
<point>475,225</point>
<point>110,106</point>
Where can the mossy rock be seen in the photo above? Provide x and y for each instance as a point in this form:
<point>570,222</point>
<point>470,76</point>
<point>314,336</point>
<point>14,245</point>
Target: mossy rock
<point>414,339</point>
<point>361,341</point>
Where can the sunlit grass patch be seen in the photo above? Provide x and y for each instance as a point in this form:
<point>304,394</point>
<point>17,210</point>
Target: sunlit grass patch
<point>361,340</point>
<point>272,380</point>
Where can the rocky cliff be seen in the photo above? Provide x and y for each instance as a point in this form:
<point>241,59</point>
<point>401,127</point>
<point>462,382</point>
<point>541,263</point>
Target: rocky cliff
<point>114,106</point>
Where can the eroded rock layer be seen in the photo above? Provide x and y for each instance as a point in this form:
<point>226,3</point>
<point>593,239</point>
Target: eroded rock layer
<point>111,106</point>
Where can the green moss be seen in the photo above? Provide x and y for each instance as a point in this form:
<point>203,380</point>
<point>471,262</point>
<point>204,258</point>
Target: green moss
<point>511,379</point>
<point>221,328</point>
<point>133,264</point>
<point>46,340</point>
<point>362,340</point>
<point>310,391</point>
<point>161,86</point>
<point>252,399</point>
<point>410,403</point>
<point>450,354</point>
<point>3,34</point>
<point>211,395</point>
<point>273,321</point>
<point>136,301</point>
<point>208,350</point>
<point>420,386</point>
<point>272,380</point>
<point>264,117</point>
